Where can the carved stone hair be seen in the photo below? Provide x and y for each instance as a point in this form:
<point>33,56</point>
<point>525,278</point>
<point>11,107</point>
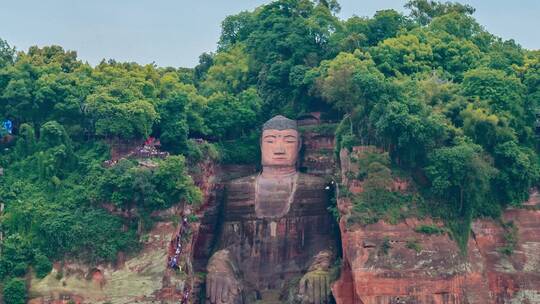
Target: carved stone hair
<point>280,122</point>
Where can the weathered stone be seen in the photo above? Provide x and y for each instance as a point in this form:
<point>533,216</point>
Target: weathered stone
<point>438,273</point>
<point>273,225</point>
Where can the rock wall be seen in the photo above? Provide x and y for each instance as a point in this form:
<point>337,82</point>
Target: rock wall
<point>393,264</point>
<point>431,271</point>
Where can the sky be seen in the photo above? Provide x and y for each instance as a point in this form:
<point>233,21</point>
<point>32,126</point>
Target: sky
<point>176,32</point>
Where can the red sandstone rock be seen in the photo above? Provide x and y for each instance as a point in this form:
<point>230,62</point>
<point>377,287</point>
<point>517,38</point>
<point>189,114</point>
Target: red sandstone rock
<point>438,273</point>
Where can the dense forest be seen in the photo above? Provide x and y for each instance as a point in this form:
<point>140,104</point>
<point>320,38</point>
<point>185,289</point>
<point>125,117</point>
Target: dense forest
<point>453,105</point>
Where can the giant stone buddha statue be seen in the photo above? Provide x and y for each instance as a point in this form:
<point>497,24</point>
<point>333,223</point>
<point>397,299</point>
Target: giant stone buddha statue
<point>275,240</point>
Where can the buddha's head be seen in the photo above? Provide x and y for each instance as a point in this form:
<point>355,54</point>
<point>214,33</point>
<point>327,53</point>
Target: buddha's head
<point>280,143</point>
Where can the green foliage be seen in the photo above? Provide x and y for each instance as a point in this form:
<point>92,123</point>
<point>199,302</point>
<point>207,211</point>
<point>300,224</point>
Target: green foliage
<point>15,251</point>
<point>460,178</point>
<point>510,238</point>
<point>414,244</point>
<point>7,54</point>
<point>453,105</point>
<point>128,185</point>
<point>54,190</point>
<point>378,201</point>
<point>42,265</point>
<point>348,81</point>
<point>503,93</point>
<point>229,72</point>
<point>15,291</point>
<point>457,171</point>
<point>412,129</point>
<point>229,116</point>
<point>404,54</point>
<point>423,11</point>
<point>333,210</point>
<point>174,128</point>
<point>173,181</point>
<point>518,172</point>
<point>244,150</point>
<point>429,229</point>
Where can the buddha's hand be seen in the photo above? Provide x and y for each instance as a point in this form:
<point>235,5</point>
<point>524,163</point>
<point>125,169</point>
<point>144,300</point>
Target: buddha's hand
<point>315,284</point>
<point>221,288</point>
<point>222,284</point>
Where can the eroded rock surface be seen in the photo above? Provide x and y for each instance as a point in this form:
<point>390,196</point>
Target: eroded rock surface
<point>138,280</point>
<point>385,263</point>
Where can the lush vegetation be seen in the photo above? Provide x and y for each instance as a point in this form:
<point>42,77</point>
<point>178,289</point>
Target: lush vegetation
<point>15,291</point>
<point>453,105</point>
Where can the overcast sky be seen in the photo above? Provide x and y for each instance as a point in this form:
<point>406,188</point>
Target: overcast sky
<point>176,32</point>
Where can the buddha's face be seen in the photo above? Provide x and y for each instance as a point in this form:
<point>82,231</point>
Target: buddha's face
<point>279,148</point>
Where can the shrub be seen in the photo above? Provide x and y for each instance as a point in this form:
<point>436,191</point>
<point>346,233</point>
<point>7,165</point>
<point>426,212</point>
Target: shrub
<point>42,265</point>
<point>510,238</point>
<point>414,245</point>
<point>429,229</point>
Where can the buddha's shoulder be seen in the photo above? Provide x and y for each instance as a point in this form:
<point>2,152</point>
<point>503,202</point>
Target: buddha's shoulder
<point>311,181</point>
<point>242,182</point>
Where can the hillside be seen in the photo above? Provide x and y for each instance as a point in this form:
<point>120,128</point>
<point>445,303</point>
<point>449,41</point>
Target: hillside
<point>99,163</point>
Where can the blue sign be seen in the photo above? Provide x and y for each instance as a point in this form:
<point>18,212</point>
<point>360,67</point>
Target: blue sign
<point>8,126</point>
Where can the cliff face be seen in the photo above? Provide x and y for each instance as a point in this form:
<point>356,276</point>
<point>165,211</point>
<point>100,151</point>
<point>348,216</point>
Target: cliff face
<point>385,263</point>
<point>382,263</point>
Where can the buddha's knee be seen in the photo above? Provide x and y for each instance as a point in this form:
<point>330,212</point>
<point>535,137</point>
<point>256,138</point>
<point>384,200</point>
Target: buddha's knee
<point>315,284</point>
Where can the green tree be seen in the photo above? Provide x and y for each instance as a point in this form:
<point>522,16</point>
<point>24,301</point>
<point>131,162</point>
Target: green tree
<point>15,291</point>
<point>229,72</point>
<point>26,143</point>
<point>16,251</point>
<point>460,176</point>
<point>42,265</point>
<point>423,11</point>
<point>385,24</point>
<point>349,80</point>
<point>518,172</point>
<point>457,24</point>
<point>503,93</point>
<point>7,54</point>
<point>405,54</point>
<point>228,116</point>
<point>286,33</point>
<point>234,29</point>
<point>456,171</point>
<point>124,120</point>
<point>45,84</point>
<point>504,55</point>
<point>350,35</point>
<point>410,130</point>
<point>454,55</point>
<point>173,180</point>
<point>484,128</point>
<point>174,128</point>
